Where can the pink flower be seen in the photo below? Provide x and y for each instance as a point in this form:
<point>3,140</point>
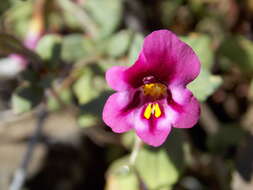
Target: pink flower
<point>151,95</point>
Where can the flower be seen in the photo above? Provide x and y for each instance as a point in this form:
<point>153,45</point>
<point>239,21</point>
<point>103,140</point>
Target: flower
<point>151,95</point>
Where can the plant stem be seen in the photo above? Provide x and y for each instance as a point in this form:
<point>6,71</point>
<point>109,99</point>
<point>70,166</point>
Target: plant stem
<point>135,151</point>
<point>21,172</point>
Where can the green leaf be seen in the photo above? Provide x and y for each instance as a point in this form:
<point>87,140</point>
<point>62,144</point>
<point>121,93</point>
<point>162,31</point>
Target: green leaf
<point>87,120</point>
<point>76,47</point>
<point>19,16</point>
<point>90,112</point>
<point>106,64</point>
<point>135,48</point>
<point>65,96</point>
<point>120,176</point>
<point>84,89</point>
<point>69,19</point>
<point>91,92</point>
<point>160,174</point>
<point>128,139</point>
<point>205,84</point>
<point>106,13</point>
<point>119,43</point>
<point>25,98</point>
<point>20,104</point>
<point>201,44</point>
<point>158,168</point>
<point>49,47</point>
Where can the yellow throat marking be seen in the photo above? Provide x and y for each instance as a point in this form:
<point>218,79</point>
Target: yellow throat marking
<point>155,90</point>
<point>152,109</point>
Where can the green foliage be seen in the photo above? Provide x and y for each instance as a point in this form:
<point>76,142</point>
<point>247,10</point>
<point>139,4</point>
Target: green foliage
<point>128,139</point>
<point>160,168</point>
<point>119,44</point>
<point>160,174</point>
<point>25,98</point>
<point>120,176</point>
<point>49,47</point>
<point>19,16</point>
<point>108,19</point>
<point>87,120</point>
<point>90,90</point>
<point>83,88</point>
<point>202,46</point>
<point>65,96</point>
<point>76,46</point>
<point>90,112</point>
<point>135,48</point>
<point>84,38</point>
<point>156,168</point>
<point>88,86</point>
<point>206,83</point>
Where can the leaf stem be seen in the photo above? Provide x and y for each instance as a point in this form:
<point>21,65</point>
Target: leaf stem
<point>135,151</point>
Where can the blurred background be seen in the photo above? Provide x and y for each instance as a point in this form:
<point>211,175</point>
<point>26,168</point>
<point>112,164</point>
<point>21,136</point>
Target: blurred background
<point>53,56</point>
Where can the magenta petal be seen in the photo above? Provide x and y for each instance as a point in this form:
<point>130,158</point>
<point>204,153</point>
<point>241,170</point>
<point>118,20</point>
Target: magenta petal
<point>115,78</point>
<point>155,130</point>
<point>112,113</point>
<point>155,138</point>
<point>190,113</point>
<point>165,57</point>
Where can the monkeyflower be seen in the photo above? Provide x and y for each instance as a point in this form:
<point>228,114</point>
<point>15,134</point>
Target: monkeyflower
<point>151,95</point>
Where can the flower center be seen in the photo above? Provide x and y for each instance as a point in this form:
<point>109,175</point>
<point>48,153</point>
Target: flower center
<point>152,109</point>
<point>155,90</point>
